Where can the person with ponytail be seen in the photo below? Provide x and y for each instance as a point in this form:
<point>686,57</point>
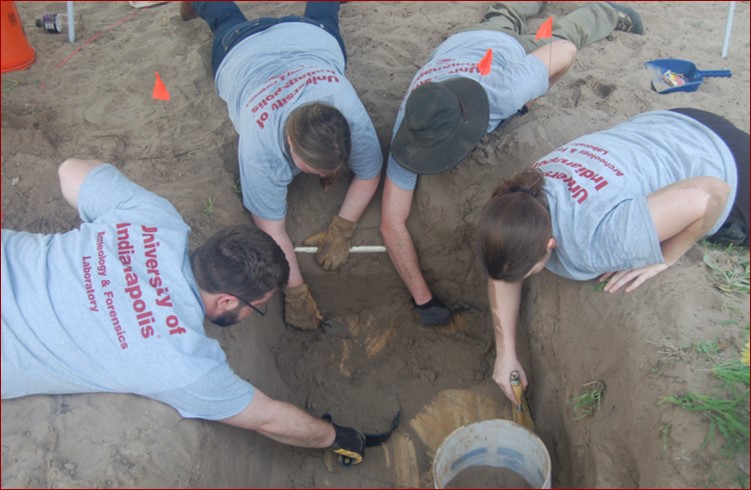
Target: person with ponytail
<point>620,205</point>
<point>452,103</point>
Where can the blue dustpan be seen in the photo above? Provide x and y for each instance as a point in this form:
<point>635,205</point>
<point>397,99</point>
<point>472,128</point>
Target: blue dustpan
<point>673,75</point>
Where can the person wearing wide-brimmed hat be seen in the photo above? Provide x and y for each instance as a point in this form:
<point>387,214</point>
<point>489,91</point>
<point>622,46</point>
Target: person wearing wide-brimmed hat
<point>450,105</point>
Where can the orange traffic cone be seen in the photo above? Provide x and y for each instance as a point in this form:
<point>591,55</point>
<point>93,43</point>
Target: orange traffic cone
<point>16,52</point>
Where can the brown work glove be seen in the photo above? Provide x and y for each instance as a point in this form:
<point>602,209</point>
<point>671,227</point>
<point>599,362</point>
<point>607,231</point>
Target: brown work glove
<point>333,244</point>
<point>300,309</point>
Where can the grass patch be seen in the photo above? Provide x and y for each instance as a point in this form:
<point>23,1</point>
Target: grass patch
<point>588,402</point>
<point>728,413</point>
<point>209,208</point>
<point>706,347</point>
<point>237,188</point>
<point>729,269</point>
<point>665,430</point>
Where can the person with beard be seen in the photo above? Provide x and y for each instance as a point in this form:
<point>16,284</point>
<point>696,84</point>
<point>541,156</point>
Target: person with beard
<point>118,305</point>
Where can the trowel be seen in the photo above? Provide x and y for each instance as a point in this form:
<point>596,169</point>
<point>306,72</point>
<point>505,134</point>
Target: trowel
<point>672,75</point>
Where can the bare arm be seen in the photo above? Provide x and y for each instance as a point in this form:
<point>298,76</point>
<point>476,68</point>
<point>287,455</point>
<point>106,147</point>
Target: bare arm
<point>283,422</point>
<point>359,195</point>
<point>72,172</point>
<point>278,231</point>
<point>505,300</point>
<point>682,213</point>
<point>558,56</point>
<point>396,206</point>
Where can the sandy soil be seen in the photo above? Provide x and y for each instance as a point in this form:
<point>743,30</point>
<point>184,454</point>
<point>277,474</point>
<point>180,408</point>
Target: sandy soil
<point>92,99</point>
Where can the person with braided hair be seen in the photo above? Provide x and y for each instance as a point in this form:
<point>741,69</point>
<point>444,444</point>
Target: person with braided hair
<point>621,205</point>
<point>450,105</point>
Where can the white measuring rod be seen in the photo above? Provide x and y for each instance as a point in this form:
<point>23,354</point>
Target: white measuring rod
<point>357,249</point>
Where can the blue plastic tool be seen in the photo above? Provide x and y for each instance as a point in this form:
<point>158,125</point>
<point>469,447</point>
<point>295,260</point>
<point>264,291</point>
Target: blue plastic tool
<point>672,75</point>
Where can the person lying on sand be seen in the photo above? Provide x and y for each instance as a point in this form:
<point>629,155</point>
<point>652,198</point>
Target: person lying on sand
<point>450,105</point>
<point>118,306</point>
<point>622,204</point>
<point>295,112</point>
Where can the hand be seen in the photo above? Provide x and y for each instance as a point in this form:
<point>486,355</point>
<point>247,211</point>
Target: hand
<point>616,280</point>
<point>434,312</point>
<point>502,372</point>
<point>349,444</point>
<point>300,309</point>
<point>333,244</point>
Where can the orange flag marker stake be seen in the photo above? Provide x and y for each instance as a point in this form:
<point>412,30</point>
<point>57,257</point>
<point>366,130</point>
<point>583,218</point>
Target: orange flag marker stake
<point>486,63</point>
<point>160,91</point>
<point>545,30</point>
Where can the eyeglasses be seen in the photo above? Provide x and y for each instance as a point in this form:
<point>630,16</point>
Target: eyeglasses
<point>257,310</point>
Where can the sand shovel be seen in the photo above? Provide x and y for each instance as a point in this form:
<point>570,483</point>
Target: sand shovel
<point>521,409</point>
<point>672,75</point>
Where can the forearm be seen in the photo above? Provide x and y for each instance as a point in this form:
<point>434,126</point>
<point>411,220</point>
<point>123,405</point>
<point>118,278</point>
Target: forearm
<point>403,255</point>
<point>397,204</point>
<point>278,231</point>
<point>684,212</point>
<point>676,246</point>
<point>283,422</point>
<point>505,299</point>
<point>358,196</point>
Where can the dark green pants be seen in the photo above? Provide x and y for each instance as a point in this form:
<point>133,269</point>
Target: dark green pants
<point>587,24</point>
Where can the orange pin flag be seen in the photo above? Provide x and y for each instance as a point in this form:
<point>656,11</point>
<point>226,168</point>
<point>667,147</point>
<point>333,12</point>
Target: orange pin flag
<point>160,91</point>
<point>545,30</point>
<point>485,63</point>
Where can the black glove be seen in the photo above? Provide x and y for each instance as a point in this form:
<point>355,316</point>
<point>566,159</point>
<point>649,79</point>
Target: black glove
<point>349,444</point>
<point>434,312</point>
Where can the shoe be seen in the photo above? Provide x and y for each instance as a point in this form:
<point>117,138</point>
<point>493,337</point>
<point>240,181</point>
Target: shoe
<point>186,11</point>
<point>628,19</point>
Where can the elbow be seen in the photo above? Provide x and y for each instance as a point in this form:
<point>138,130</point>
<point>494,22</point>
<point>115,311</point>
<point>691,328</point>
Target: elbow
<point>719,193</point>
<point>386,229</point>
<point>391,229</point>
<point>569,52</point>
<point>64,169</point>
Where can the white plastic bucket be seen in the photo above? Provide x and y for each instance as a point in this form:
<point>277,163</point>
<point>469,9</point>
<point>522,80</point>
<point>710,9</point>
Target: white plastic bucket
<point>497,443</point>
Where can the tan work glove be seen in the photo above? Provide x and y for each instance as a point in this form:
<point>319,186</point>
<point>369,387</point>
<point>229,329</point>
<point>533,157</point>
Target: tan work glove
<point>300,309</point>
<point>333,244</point>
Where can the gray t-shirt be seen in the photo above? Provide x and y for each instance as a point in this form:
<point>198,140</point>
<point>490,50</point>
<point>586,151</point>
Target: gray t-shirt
<point>597,187</point>
<point>515,78</point>
<point>112,307</point>
<point>263,79</point>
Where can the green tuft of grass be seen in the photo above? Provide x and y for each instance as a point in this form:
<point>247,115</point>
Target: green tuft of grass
<point>706,347</point>
<point>209,208</point>
<point>588,402</point>
<point>732,277</point>
<point>729,415</point>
